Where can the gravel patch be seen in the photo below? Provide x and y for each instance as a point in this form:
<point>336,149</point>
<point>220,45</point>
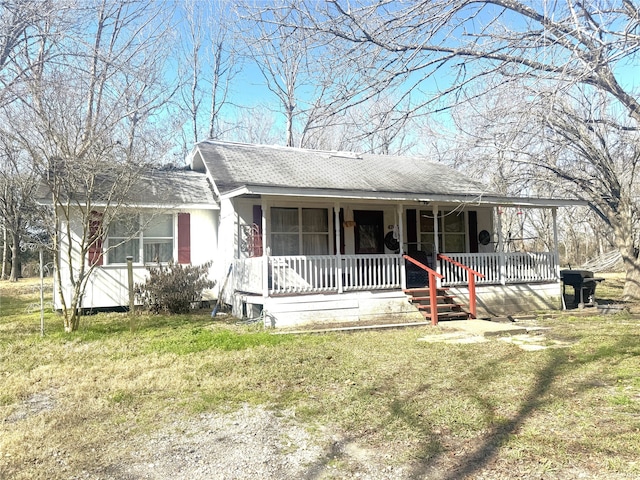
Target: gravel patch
<point>250,443</point>
<point>32,405</point>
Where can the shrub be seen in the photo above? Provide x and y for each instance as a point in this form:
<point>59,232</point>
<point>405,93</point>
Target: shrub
<point>173,287</point>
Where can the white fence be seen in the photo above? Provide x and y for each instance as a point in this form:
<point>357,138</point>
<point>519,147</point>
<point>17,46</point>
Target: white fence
<point>509,268</point>
<point>303,274</point>
<point>318,273</point>
<point>368,272</point>
<point>299,274</point>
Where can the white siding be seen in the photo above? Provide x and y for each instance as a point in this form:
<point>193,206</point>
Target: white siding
<point>107,287</point>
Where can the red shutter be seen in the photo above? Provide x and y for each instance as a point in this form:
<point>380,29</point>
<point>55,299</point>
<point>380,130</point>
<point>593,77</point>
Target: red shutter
<point>184,238</point>
<point>95,238</point>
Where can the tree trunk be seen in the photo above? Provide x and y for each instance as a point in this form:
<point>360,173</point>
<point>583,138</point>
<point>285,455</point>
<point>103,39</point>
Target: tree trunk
<point>5,251</point>
<point>72,320</point>
<point>290,109</point>
<point>631,291</point>
<point>15,258</point>
<point>623,232</point>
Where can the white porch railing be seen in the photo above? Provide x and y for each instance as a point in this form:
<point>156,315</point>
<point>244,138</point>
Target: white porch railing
<point>508,268</point>
<point>318,273</point>
<point>303,274</point>
<point>368,272</point>
<point>299,274</point>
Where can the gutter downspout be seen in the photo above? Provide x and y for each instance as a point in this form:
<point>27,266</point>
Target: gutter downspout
<point>556,254</point>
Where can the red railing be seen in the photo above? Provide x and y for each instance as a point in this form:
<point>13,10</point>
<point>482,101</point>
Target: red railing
<point>433,291</point>
<point>472,274</point>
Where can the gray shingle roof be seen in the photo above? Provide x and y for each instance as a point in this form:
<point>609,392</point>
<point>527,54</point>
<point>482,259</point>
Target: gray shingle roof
<point>150,186</point>
<point>174,187</point>
<point>233,165</point>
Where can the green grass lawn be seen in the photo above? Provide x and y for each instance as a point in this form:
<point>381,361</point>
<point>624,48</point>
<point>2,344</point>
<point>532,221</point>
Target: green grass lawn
<point>487,406</point>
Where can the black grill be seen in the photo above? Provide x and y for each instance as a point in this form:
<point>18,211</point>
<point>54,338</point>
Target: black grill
<point>584,287</point>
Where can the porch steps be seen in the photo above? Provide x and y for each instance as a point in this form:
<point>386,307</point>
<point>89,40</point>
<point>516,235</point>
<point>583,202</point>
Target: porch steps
<point>447,308</point>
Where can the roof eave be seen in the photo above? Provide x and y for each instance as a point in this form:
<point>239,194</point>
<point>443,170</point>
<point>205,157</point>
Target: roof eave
<point>154,206</point>
<point>507,201</point>
<point>480,199</point>
<point>315,192</point>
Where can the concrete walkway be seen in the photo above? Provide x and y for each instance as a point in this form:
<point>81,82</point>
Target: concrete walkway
<point>483,328</point>
<point>524,333</point>
<point>528,337</point>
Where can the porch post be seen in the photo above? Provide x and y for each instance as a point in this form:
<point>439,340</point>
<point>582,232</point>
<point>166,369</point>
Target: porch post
<point>436,245</point>
<point>336,227</point>
<point>501,259</point>
<point>403,273</point>
<point>265,252</point>
<point>556,253</point>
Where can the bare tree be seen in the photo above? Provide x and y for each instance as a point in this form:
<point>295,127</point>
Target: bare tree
<point>254,125</point>
<point>23,24</point>
<point>384,126</point>
<point>317,83</point>
<point>209,63</point>
<point>591,153</point>
<point>18,209</point>
<point>90,119</point>
<point>378,126</point>
<point>457,50</point>
<point>575,145</point>
<point>24,27</point>
<point>565,42</point>
<point>280,50</point>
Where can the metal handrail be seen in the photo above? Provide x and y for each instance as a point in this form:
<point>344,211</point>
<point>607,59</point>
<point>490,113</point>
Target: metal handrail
<point>433,294</point>
<point>472,282</point>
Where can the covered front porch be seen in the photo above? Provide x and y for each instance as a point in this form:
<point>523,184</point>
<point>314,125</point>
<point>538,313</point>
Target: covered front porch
<point>304,274</point>
<point>355,289</point>
<point>412,239</point>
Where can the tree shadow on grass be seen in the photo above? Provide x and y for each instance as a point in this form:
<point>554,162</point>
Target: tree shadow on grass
<point>501,432</point>
<point>559,363</point>
<point>438,450</point>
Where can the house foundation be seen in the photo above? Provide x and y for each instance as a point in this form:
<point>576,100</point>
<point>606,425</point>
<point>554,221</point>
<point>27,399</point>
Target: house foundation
<point>501,300</point>
<point>353,308</point>
<point>361,308</point>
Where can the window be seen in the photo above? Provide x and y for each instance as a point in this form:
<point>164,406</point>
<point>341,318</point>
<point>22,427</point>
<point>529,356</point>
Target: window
<point>296,231</point>
<point>284,231</point>
<point>451,231</point>
<point>157,239</point>
<point>315,231</point>
<point>123,239</point>
<point>148,239</point>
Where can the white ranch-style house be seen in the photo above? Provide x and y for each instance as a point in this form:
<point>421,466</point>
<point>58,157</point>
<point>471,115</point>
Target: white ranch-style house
<point>302,236</point>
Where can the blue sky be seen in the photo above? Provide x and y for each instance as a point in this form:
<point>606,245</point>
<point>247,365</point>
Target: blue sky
<point>249,89</point>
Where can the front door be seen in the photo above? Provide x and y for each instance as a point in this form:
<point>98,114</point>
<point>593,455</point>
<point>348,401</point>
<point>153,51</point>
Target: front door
<point>369,231</point>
